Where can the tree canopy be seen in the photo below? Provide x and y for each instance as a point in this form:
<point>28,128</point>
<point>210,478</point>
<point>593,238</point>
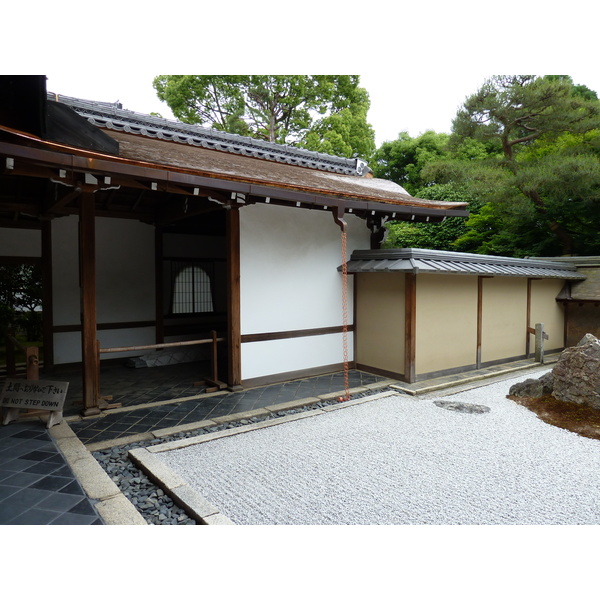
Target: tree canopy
<point>547,129</point>
<point>525,153</point>
<point>325,113</point>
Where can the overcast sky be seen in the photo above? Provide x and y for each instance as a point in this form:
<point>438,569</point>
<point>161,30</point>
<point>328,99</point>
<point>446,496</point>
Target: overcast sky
<point>418,61</point>
<point>414,102</point>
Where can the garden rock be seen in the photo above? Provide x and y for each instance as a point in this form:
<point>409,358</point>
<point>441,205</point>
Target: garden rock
<point>577,373</point>
<point>533,388</point>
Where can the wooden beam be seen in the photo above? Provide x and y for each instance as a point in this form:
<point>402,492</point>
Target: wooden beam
<point>479,320</point>
<point>47,307</point>
<point>234,339</point>
<point>87,265</point>
<point>410,320</point>
<point>528,319</point>
<point>159,286</point>
<point>59,203</point>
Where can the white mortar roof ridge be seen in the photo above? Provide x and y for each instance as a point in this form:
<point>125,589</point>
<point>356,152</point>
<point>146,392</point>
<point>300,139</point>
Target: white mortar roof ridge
<point>114,116</point>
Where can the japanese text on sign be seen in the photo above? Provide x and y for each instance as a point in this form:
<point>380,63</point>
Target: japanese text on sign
<point>44,395</point>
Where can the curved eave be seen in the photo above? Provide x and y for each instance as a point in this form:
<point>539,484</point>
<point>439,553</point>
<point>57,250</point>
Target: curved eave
<point>180,179</point>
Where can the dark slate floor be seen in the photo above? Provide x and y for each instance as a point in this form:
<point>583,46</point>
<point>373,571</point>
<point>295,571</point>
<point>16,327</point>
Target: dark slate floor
<point>37,487</point>
<point>145,419</point>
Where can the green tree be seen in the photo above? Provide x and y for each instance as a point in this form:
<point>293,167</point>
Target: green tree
<point>275,108</point>
<point>433,236</point>
<point>346,131</point>
<point>547,202</point>
<point>21,299</point>
<point>403,159</point>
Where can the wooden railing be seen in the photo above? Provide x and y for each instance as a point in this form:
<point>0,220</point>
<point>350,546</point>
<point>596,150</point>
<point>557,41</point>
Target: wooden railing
<point>211,381</point>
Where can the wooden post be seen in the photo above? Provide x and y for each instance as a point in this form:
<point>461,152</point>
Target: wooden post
<point>158,286</point>
<point>47,308</point>
<point>32,362</point>
<point>528,319</point>
<point>215,366</point>
<point>233,305</point>
<point>410,318</point>
<point>87,258</point>
<point>479,321</point>
<point>11,363</point>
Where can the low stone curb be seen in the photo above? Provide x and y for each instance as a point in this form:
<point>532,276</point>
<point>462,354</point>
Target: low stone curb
<point>207,437</point>
<point>406,389</point>
<point>358,401</point>
<point>172,484</point>
<point>111,504</point>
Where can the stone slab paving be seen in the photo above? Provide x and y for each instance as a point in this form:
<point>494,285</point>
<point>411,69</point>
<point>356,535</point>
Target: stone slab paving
<point>135,420</point>
<point>37,484</point>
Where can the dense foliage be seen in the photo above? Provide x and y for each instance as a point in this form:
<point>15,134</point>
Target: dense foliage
<point>21,299</point>
<point>324,113</point>
<point>525,154</point>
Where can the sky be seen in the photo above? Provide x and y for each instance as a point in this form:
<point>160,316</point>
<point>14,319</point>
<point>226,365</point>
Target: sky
<point>414,103</point>
<point>418,61</point>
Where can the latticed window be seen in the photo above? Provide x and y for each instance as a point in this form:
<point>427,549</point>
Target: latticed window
<point>192,287</point>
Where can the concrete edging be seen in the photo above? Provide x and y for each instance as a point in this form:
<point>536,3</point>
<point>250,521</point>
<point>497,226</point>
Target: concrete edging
<point>111,503</point>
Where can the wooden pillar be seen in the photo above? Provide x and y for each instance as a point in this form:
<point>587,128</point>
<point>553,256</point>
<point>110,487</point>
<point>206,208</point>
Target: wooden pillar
<point>410,320</point>
<point>528,319</point>
<point>234,338</point>
<point>159,285</point>
<point>47,308</point>
<point>479,320</point>
<point>87,279</point>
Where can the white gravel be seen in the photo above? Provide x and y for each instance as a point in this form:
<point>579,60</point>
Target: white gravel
<point>401,460</point>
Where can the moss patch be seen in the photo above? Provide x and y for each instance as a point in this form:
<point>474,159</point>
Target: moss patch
<point>578,418</point>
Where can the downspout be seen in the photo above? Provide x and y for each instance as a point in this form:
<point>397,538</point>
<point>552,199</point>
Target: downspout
<point>338,217</point>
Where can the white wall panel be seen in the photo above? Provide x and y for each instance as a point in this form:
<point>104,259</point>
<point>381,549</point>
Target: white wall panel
<point>289,281</point>
<point>261,359</point>
<point>20,242</point>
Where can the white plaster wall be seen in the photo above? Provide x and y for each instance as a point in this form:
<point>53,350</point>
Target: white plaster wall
<point>124,271</point>
<point>289,281</point>
<point>260,359</point>
<point>124,283</point>
<point>67,346</point>
<point>20,242</point>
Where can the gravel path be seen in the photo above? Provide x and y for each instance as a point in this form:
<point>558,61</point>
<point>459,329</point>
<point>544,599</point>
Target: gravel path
<point>401,460</point>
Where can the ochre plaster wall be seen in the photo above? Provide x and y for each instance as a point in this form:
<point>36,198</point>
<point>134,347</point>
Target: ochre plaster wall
<point>545,309</point>
<point>504,316</point>
<point>380,321</point>
<point>446,322</point>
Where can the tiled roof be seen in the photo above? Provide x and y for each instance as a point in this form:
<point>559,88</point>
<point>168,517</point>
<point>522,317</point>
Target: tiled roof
<point>412,260</point>
<point>114,117</point>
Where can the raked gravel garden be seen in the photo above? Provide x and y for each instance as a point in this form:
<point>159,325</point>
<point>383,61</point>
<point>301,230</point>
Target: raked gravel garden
<point>470,458</point>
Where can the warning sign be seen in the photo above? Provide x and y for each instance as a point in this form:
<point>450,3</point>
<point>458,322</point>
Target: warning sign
<point>27,394</point>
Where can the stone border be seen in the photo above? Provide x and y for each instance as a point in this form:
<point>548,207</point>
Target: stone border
<point>147,460</point>
<point>110,502</point>
<point>477,379</point>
